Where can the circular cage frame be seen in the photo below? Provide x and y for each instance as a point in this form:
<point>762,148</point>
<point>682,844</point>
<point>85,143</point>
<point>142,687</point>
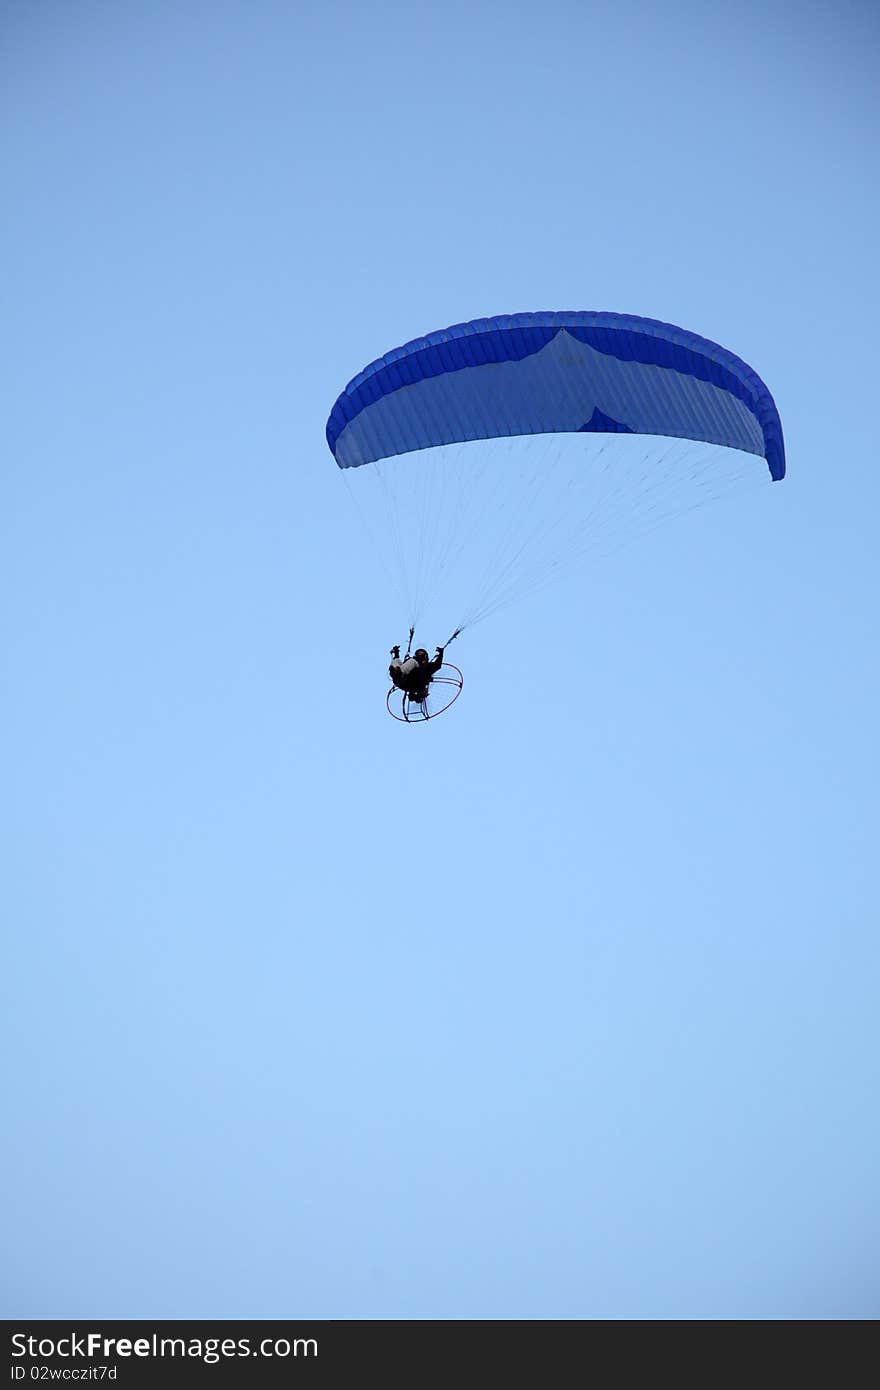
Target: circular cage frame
<point>448,678</point>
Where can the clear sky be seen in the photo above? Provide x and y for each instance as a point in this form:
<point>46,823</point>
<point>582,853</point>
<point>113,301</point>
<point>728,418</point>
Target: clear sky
<point>556,1007</point>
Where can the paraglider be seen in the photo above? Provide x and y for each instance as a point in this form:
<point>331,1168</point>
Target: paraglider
<point>427,687</point>
<point>412,674</point>
<point>659,420</point>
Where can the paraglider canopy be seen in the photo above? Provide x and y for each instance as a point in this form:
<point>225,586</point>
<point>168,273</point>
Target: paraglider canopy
<point>565,372</point>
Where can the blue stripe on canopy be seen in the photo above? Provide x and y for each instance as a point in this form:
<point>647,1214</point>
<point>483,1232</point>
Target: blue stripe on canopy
<point>550,373</point>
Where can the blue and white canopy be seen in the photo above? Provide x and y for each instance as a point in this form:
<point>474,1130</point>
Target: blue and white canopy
<point>551,373</point>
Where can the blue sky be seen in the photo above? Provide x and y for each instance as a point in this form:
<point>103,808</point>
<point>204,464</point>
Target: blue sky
<point>554,1008</point>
